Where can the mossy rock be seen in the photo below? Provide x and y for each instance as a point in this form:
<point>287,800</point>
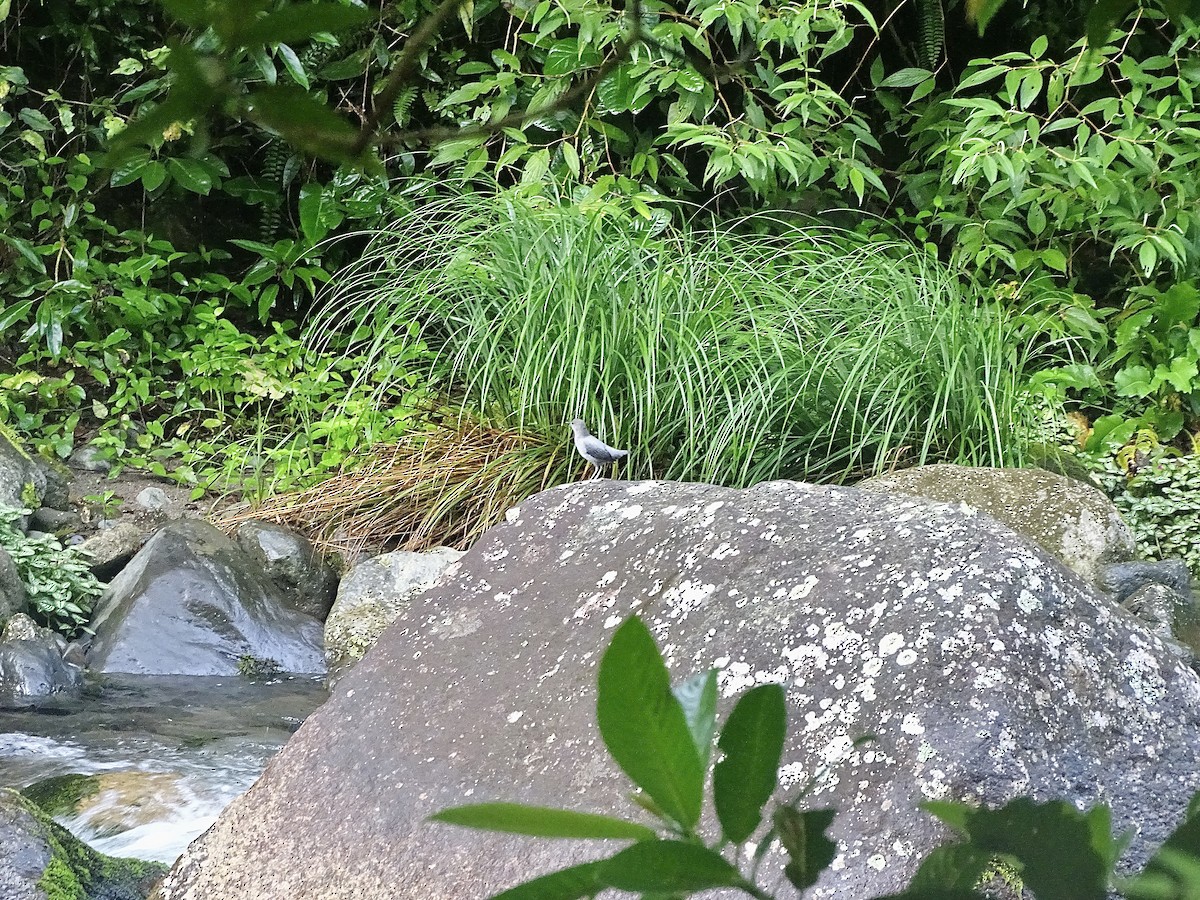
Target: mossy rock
<point>60,795</point>
<point>41,860</point>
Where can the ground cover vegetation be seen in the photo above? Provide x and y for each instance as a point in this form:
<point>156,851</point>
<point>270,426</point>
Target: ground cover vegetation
<point>179,182</point>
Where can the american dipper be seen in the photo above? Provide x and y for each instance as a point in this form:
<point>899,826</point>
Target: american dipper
<point>594,450</point>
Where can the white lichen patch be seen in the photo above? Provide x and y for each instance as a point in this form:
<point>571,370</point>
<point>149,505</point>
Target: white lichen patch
<point>912,725</point>
<point>641,487</point>
<point>514,716</point>
<point>889,644</point>
<point>1027,602</point>
<point>686,596</point>
<point>1141,669</point>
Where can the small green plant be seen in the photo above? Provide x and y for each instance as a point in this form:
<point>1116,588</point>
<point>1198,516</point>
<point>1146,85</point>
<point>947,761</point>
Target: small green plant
<point>258,668</point>
<point>107,504</point>
<point>58,581</point>
<point>662,738</point>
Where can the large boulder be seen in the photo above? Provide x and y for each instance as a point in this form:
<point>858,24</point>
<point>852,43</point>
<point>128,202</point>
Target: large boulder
<point>41,860</point>
<point>985,669</point>
<point>1072,521</point>
<point>371,596</point>
<point>192,603</point>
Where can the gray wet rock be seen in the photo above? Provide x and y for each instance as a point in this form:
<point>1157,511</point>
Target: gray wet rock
<point>58,482</point>
<point>12,589</point>
<point>89,459</point>
<point>109,550</point>
<point>1073,521</point>
<point>985,668</point>
<point>307,582</point>
<point>193,603</point>
<point>372,595</point>
<point>55,521</point>
<point>1122,579</point>
<point>31,664</point>
<point>22,482</point>
<point>153,499</point>
<point>30,841</point>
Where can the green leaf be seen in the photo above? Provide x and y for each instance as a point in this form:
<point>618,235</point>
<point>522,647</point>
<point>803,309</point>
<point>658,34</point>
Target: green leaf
<point>1103,16</point>
<point>541,821</point>
<point>803,837</point>
<point>752,741</point>
<point>906,78</point>
<point>300,21</point>
<point>567,56</point>
<point>153,175</point>
<point>643,724</point>
<point>35,119</point>
<point>981,12</point>
<point>1063,852</point>
<point>190,174</point>
<point>26,250</point>
<point>698,698</point>
<point>313,204</point>
<point>302,121</point>
<point>673,866</point>
<point>616,91</point>
<point>565,884</point>
<point>294,67</point>
<point>954,868</point>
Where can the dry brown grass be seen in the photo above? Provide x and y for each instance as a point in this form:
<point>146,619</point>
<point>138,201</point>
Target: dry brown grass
<point>445,487</point>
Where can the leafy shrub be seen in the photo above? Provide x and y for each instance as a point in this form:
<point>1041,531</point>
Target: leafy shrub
<point>1073,164</point>
<point>731,354</point>
<point>662,739</point>
<point>58,582</point>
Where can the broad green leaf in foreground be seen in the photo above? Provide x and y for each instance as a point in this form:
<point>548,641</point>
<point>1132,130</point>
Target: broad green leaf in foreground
<point>542,821</point>
<point>1174,871</point>
<point>752,741</point>
<point>644,726</point>
<point>1063,852</point>
<point>674,866</point>
<point>698,697</point>
<point>948,873</point>
<point>565,884</point>
<point>803,837</point>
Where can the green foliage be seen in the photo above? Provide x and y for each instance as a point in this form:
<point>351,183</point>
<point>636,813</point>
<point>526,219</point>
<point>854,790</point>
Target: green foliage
<point>1055,849</point>
<point>730,355</point>
<point>1068,164</point>
<point>58,582</point>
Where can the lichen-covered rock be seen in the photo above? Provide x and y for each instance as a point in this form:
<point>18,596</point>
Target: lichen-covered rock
<point>1072,521</point>
<point>985,669</point>
<point>371,596</point>
<point>41,860</point>
<point>305,580</point>
<point>192,603</point>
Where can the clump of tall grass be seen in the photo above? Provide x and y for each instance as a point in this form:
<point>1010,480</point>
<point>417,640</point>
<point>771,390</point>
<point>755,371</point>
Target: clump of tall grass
<point>730,354</point>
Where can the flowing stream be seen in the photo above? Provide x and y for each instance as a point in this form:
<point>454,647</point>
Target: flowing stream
<point>168,753</point>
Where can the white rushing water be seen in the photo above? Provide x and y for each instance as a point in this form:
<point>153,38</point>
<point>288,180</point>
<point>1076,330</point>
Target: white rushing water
<point>168,755</point>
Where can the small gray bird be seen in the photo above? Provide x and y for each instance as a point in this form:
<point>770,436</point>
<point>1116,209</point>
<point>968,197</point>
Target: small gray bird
<point>594,450</point>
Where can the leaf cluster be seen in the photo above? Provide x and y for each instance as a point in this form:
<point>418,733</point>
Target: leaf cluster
<point>59,584</point>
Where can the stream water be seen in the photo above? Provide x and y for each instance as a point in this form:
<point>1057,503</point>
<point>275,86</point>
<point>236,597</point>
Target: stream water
<point>170,753</point>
